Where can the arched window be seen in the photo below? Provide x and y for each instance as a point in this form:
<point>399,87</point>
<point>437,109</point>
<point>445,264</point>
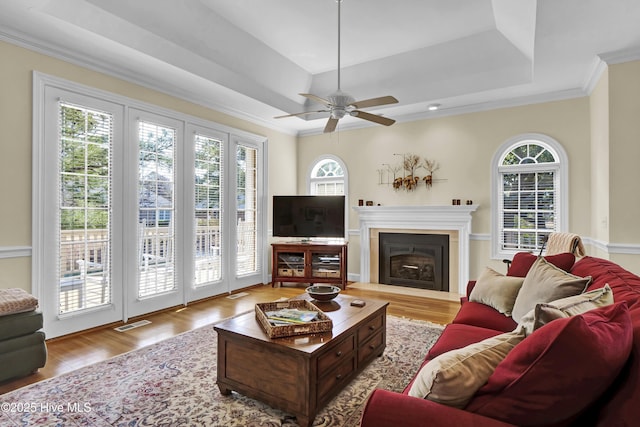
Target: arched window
<point>327,177</point>
<point>530,177</point>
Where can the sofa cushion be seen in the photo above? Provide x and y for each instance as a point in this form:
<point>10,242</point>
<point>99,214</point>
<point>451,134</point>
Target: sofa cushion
<point>522,262</point>
<point>565,307</point>
<point>478,314</point>
<point>453,377</point>
<point>496,290</point>
<point>619,407</point>
<point>544,283</point>
<point>537,382</point>
<point>456,336</point>
<point>15,325</point>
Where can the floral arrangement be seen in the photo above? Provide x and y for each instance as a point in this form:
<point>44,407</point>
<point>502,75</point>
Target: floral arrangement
<point>410,180</point>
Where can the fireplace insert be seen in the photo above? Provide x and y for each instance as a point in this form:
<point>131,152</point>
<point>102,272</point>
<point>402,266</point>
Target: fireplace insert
<point>414,260</point>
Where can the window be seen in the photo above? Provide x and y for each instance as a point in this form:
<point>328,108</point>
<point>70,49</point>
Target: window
<point>138,208</point>
<point>156,209</point>
<point>247,213</point>
<point>84,210</point>
<point>209,180</point>
<point>327,177</point>
<point>529,175</point>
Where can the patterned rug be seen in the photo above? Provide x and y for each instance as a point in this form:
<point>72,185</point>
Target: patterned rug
<point>173,383</point>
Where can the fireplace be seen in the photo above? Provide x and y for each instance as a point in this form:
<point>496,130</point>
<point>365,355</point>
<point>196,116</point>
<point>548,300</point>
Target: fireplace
<point>414,260</point>
<point>453,220</point>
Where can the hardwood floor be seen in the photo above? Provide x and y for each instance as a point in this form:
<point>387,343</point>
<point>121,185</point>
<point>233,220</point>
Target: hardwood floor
<point>68,353</point>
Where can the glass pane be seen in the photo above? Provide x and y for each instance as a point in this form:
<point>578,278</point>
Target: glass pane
<point>527,201</point>
<point>527,181</point>
<point>545,181</point>
<point>84,208</point>
<point>520,151</point>
<point>546,157</point>
<point>527,220</point>
<point>510,240</point>
<point>510,182</point>
<point>510,159</point>
<point>510,201</point>
<point>247,233</point>
<point>156,233</point>
<point>509,220</point>
<point>535,150</point>
<point>546,200</point>
<point>208,263</point>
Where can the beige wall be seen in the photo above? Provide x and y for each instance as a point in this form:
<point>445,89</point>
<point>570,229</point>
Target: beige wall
<point>16,71</point>
<point>624,141</point>
<point>600,166</point>
<point>464,146</point>
<point>600,134</point>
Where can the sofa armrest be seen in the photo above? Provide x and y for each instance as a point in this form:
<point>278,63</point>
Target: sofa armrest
<point>388,409</point>
<point>470,285</point>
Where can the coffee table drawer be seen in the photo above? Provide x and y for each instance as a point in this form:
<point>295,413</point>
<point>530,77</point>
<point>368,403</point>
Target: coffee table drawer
<point>335,379</point>
<point>373,346</point>
<point>370,328</point>
<point>336,354</point>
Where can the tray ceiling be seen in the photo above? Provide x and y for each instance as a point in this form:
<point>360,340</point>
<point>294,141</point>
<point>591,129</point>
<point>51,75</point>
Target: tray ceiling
<point>251,58</point>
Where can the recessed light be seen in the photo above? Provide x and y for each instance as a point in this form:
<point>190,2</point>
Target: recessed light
<point>433,107</point>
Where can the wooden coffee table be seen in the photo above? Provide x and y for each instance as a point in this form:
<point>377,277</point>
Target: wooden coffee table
<point>300,374</point>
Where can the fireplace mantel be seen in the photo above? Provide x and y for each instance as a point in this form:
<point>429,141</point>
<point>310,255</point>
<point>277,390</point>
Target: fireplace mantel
<point>457,218</point>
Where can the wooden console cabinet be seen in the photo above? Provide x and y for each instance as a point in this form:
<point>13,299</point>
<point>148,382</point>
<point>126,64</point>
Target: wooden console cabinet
<point>309,263</point>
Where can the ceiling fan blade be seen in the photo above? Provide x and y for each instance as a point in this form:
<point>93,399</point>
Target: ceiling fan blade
<point>301,113</point>
<point>316,98</point>
<point>331,125</point>
<point>373,118</point>
<point>383,100</point>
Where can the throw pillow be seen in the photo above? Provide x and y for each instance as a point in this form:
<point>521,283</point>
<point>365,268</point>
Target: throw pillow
<point>544,283</point>
<point>452,378</point>
<point>537,381</point>
<point>522,262</point>
<point>496,290</point>
<point>565,307</point>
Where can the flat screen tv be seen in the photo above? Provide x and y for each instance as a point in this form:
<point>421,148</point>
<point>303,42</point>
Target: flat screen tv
<point>308,216</point>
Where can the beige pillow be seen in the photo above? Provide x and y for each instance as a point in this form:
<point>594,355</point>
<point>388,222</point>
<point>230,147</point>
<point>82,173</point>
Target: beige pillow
<point>452,378</point>
<point>496,290</point>
<point>544,283</point>
<point>566,307</point>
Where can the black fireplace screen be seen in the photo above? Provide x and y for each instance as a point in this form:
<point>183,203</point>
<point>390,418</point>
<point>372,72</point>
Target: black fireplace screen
<point>414,260</point>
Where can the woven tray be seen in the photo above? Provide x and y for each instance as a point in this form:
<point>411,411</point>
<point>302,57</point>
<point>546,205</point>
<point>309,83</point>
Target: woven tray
<point>323,324</point>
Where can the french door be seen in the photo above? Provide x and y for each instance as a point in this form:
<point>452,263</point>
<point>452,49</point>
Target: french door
<point>136,211</point>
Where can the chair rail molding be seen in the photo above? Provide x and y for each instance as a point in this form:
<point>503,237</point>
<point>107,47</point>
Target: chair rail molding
<point>15,251</point>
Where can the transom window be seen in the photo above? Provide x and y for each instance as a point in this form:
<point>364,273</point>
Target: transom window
<point>529,179</point>
<point>327,177</point>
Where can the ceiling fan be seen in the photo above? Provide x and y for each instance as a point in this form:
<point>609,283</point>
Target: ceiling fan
<point>340,104</point>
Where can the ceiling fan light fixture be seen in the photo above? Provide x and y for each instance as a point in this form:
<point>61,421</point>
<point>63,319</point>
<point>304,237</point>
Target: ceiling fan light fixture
<point>340,104</point>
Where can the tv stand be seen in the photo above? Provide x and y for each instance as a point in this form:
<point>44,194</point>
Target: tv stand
<point>309,262</point>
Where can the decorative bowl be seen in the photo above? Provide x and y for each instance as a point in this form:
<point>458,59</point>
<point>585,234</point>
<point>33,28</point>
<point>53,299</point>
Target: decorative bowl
<point>323,292</point>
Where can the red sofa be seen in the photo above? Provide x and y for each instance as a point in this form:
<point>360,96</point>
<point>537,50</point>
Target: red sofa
<point>618,405</point>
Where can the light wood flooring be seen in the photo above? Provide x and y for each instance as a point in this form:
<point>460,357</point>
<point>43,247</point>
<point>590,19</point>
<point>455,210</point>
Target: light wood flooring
<point>68,353</point>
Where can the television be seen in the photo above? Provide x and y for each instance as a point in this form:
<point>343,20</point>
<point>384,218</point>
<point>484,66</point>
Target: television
<point>308,216</point>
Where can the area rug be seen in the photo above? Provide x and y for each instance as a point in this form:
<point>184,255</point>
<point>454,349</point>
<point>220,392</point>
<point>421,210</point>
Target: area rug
<point>173,383</point>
